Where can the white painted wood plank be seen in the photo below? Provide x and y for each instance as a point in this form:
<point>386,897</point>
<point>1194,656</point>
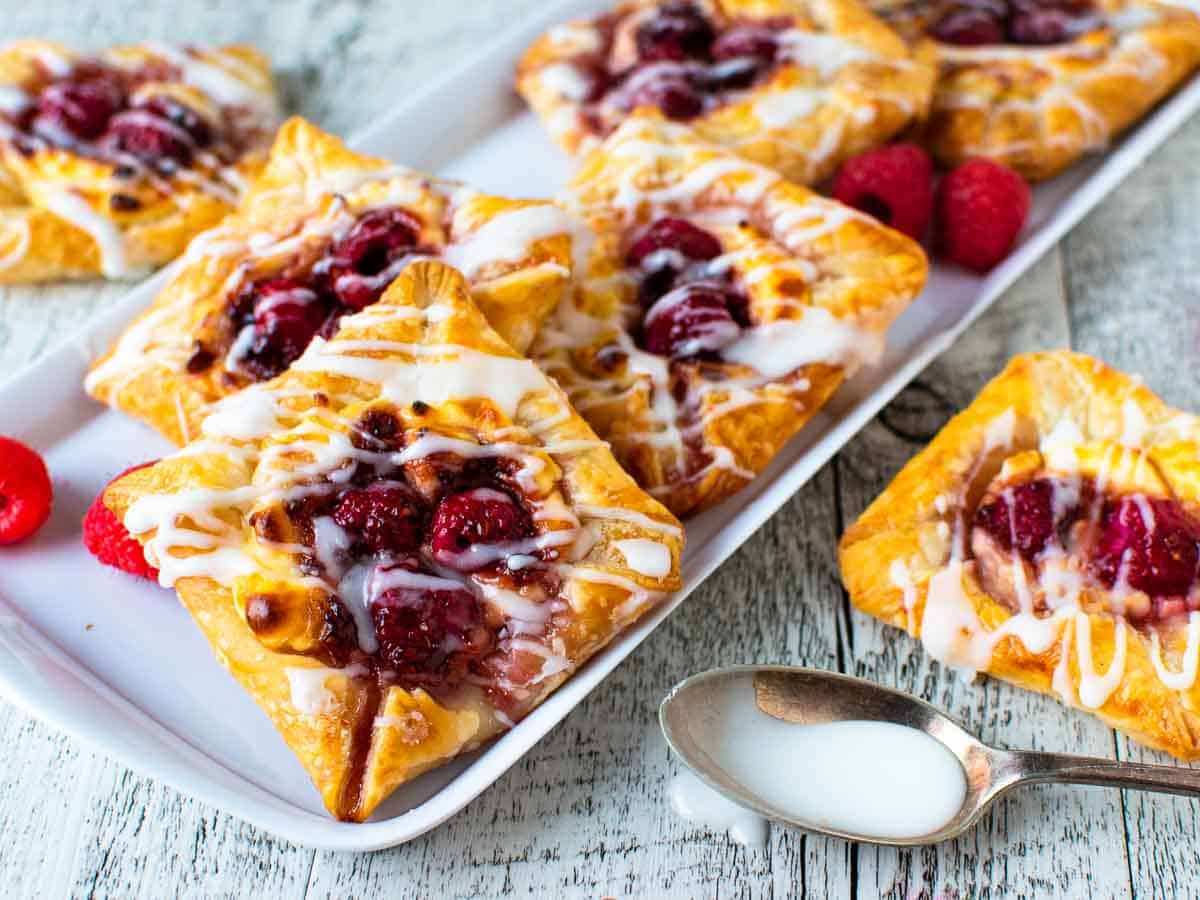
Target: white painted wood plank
<point>1044,842</point>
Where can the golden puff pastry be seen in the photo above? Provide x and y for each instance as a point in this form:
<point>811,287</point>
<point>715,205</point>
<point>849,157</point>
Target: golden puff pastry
<point>110,164</point>
<point>403,544</point>
<point>1049,536</point>
<point>721,307</point>
<point>798,85</point>
<point>319,234</point>
<point>1038,85</point>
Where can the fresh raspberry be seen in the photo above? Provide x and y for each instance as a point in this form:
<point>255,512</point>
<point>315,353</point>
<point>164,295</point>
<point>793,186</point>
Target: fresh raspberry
<point>105,537</point>
<point>467,526</point>
<point>25,491</point>
<point>981,208</point>
<point>1152,542</point>
<point>386,517</point>
<point>894,184</point>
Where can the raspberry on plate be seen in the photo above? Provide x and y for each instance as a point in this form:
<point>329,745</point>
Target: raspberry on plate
<point>981,208</point>
<point>25,491</point>
<point>894,184</point>
<point>105,537</point>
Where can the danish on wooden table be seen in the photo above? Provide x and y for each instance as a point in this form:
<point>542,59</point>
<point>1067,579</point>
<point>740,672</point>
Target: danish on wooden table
<point>721,306</point>
<point>800,85</point>
<point>403,544</point>
<point>1049,536</point>
<point>1038,85</point>
<point>109,164</point>
<point>320,234</point>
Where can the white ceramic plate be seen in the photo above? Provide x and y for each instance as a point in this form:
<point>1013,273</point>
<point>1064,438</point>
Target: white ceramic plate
<point>119,665</point>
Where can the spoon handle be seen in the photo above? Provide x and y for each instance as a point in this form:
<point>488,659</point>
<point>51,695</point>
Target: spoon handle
<point>1067,769</point>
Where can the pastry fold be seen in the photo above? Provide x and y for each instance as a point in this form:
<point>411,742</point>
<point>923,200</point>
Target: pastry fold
<point>1097,486</point>
<point>821,282</point>
<point>76,209</point>
<point>181,356</point>
<point>377,662</point>
<point>842,82</point>
<point>1038,109</point>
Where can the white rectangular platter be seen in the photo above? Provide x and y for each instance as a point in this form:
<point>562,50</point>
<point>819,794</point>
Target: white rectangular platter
<point>118,663</point>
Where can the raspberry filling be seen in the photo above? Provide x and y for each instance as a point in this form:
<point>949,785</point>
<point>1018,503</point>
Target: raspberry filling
<point>270,321</point>
<point>692,309</point>
<point>683,62</point>
<point>972,23</point>
<point>1143,550</point>
<point>95,110</point>
<point>410,549</point>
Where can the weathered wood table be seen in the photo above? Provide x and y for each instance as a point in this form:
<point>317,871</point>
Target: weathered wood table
<point>585,814</point>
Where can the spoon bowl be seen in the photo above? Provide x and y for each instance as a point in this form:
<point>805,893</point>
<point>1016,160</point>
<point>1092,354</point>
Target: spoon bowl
<point>703,714</point>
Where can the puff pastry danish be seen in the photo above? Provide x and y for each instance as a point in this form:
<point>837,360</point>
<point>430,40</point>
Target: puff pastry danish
<point>109,164</point>
<point>722,305</point>
<point>319,234</point>
<point>799,85</point>
<point>1050,536</point>
<point>403,544</point>
<point>1036,85</point>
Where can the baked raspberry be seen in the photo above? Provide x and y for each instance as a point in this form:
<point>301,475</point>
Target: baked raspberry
<point>1023,517</point>
<point>385,516</point>
<point>894,184</point>
<point>469,527</point>
<point>1150,543</point>
<point>372,244</point>
<point>981,208</point>
<point>287,315</point>
<point>423,629</point>
<point>149,137</point>
<point>675,234</point>
<point>747,41</point>
<point>671,92</point>
<point>972,25</point>
<point>77,109</point>
<point>689,321</point>
<point>25,491</point>
<point>677,31</point>
<point>181,115</point>
<point>105,537</point>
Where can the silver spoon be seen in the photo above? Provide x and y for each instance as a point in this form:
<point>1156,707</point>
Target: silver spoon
<point>812,696</point>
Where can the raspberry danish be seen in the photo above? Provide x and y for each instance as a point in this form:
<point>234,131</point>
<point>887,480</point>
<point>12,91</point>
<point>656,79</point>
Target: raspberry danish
<point>1036,84</point>
<point>109,164</point>
<point>799,85</point>
<point>402,545</point>
<point>1050,536</point>
<point>721,307</point>
<point>320,234</point>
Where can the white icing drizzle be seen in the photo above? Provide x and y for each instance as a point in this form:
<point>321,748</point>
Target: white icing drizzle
<point>309,694</point>
<point>71,207</point>
<point>1186,676</point>
<point>646,557</point>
